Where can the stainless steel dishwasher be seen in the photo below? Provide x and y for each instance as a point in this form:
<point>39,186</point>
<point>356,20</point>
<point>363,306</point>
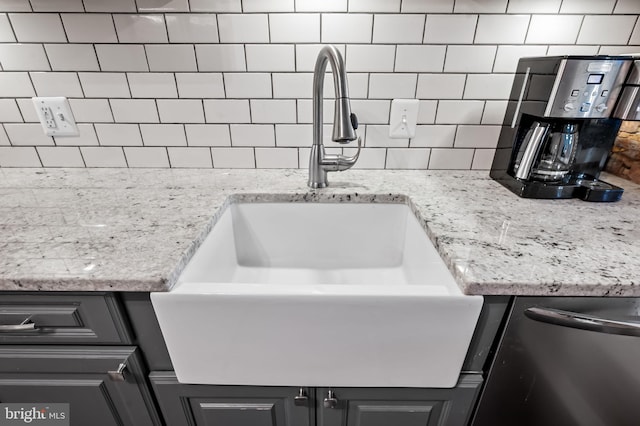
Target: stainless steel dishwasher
<point>566,361</point>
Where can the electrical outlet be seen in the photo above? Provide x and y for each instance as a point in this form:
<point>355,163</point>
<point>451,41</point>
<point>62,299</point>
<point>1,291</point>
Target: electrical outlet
<point>55,116</point>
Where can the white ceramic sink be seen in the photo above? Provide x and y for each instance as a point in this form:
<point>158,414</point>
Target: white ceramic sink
<point>317,294</point>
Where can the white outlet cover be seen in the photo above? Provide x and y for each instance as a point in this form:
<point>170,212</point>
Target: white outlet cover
<point>55,116</point>
<point>404,117</point>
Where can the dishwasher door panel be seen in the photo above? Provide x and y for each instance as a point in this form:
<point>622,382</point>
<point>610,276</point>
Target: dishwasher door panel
<point>548,374</point>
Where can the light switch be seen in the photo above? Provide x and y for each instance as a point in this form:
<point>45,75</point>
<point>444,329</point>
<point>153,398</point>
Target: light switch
<point>55,116</point>
<point>404,116</point>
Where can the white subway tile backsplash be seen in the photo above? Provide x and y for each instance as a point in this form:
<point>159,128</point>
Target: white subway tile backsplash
<point>408,158</point>
<point>215,6</point>
<point>140,28</point>
<point>477,136</point>
<point>377,136</point>
<point>587,6</point>
<point>16,84</point>
<point>23,57</point>
<point>227,57</point>
<point>488,86</point>
<point>104,85</point>
<point>454,112</point>
<point>176,57</point>
<point>432,6</point>
<point>247,85</point>
<point>553,29</point>
<point>4,139</point>
<point>501,29</point>
<point>508,56</point>
<point>114,57</point>
<point>190,158</point>
<point>249,28</point>
<point>109,156</point>
<point>401,29</point>
<point>538,6</point>
<point>192,28</point>
<point>306,55</point>
<point>72,57</point>
<point>208,134</point>
<point>24,156</point>
<point>233,158</point>
<point>390,86</point>
<point>370,158</point>
<point>482,159</point>
<point>618,29</point>
<point>470,58</point>
<point>91,110</point>
<point>618,50</point>
<point>494,112</point>
<point>480,6</point>
<point>455,159</point>
<point>60,156</point>
<point>9,112</point>
<point>87,137</point>
<point>440,86</point>
<point>358,86</point>
<point>635,35</point>
<point>274,57</point>
<point>450,28</point>
<point>273,111</point>
<point>200,85</point>
<point>294,85</point>
<point>227,111</point>
<point>27,134</point>
<point>294,135</point>
<point>411,58</point>
<point>180,111</point>
<point>267,6</point>
<point>6,32</point>
<point>56,84</point>
<point>436,136</point>
<point>321,5</point>
<point>26,108</point>
<point>627,6</point>
<point>89,28</point>
<point>374,5</point>
<point>305,111</point>
<point>37,27</point>
<point>572,50</point>
<point>276,158</point>
<point>134,110</point>
<point>146,157</point>
<point>369,111</point>
<point>118,134</point>
<point>346,28</point>
<point>152,85</point>
<point>162,5</point>
<point>427,112</point>
<point>109,6</point>
<point>163,135</point>
<point>294,28</point>
<point>370,58</point>
<point>252,135</point>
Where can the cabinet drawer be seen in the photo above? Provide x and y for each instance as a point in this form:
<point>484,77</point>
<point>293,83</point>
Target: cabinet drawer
<point>61,319</point>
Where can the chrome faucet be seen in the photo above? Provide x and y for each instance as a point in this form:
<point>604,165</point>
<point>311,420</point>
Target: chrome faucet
<point>345,122</point>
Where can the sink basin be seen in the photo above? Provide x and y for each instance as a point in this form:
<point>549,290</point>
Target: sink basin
<point>317,294</point>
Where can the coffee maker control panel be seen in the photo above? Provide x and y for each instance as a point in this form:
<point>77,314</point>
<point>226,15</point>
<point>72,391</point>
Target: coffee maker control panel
<point>587,88</point>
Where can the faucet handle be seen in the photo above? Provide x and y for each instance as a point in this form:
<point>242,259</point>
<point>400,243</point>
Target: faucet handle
<point>354,121</point>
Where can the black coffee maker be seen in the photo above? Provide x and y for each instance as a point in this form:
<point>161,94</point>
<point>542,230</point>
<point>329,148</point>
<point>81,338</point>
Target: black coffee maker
<point>558,129</point>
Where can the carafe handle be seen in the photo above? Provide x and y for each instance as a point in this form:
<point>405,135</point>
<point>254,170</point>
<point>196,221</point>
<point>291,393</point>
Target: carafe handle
<point>531,146</point>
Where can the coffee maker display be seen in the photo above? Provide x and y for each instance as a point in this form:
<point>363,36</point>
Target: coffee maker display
<point>558,129</point>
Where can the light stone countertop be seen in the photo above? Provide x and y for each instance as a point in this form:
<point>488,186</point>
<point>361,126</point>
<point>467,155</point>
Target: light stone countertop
<point>135,229</point>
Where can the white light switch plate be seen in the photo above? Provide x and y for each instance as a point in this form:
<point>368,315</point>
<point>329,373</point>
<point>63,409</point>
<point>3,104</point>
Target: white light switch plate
<point>55,116</point>
<point>404,116</point>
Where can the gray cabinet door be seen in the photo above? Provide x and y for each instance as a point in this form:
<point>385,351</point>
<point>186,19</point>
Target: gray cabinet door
<point>206,405</point>
<point>78,376</point>
<point>400,406</point>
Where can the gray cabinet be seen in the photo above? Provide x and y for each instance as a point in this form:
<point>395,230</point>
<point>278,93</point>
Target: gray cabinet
<point>75,349</point>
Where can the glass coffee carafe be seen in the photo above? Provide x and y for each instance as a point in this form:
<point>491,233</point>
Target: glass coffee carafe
<point>557,153</point>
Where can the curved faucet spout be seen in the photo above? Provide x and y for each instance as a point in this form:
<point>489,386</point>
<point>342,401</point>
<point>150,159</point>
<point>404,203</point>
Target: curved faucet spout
<point>345,122</point>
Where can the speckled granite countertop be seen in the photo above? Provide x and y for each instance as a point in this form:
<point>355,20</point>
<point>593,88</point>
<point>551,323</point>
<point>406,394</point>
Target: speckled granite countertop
<point>134,229</point>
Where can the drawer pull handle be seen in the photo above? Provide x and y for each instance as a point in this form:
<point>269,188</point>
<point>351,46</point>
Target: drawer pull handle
<point>118,375</point>
<point>26,325</point>
<point>330,401</point>
<point>301,399</point>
